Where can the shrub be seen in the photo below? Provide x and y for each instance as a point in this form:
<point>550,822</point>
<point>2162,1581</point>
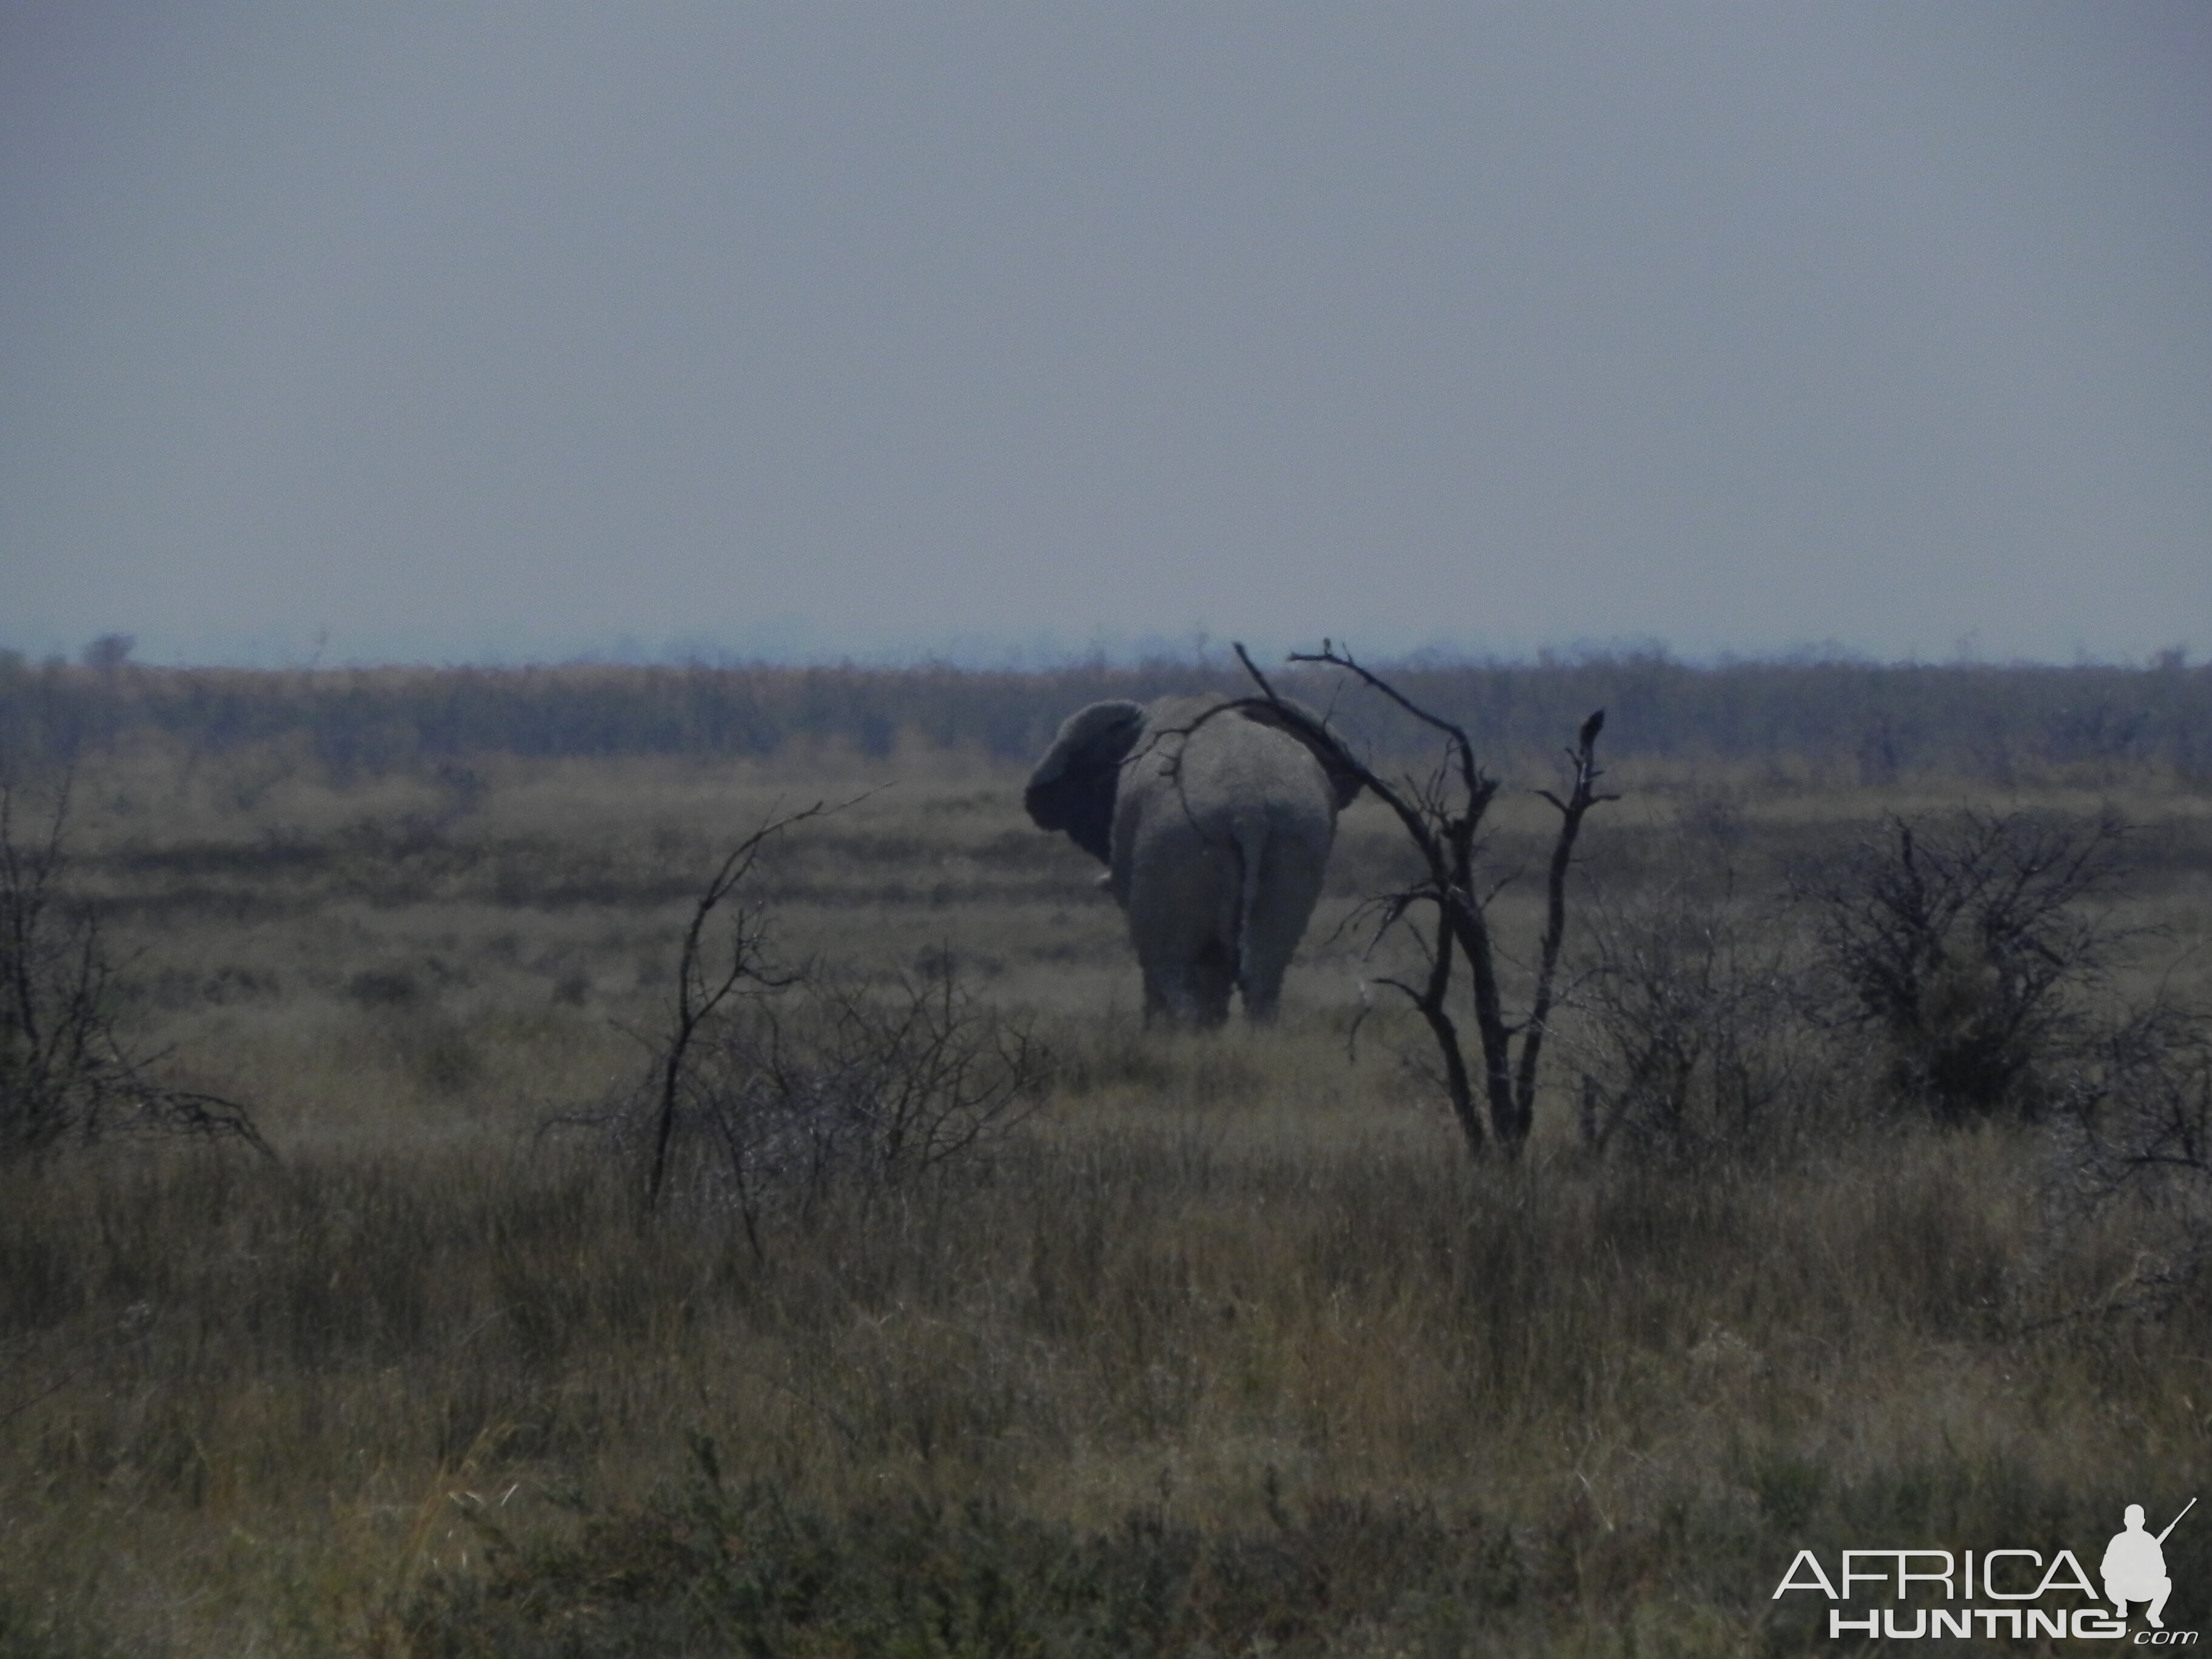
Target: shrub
<point>775,1085</point>
<point>64,1073</point>
<point>1692,1038</point>
<point>1964,947</point>
<point>823,1082</point>
<point>2137,1123</point>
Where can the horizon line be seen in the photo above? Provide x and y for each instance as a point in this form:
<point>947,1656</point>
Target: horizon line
<point>118,651</point>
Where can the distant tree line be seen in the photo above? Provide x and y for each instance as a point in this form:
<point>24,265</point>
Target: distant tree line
<point>1845,721</point>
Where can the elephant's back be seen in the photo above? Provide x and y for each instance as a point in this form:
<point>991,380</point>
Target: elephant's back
<point>1251,768</point>
<point>1206,780</point>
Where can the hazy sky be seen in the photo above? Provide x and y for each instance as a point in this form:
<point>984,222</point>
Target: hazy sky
<point>450,331</point>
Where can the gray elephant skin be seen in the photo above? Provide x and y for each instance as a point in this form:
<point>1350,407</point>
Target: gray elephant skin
<point>1214,821</point>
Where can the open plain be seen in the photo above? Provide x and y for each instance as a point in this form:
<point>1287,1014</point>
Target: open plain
<point>1211,1343</point>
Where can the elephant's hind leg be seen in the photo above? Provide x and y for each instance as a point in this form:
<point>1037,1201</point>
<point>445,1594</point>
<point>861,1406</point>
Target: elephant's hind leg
<point>1283,900</point>
<point>1211,976</point>
<point>1192,990</point>
<point>1181,910</point>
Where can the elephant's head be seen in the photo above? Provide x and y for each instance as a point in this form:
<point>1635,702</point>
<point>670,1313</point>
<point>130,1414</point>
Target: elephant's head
<point>1074,785</point>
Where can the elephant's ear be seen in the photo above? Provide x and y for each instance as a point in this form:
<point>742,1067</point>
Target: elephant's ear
<point>1342,780</point>
<point>1074,785</point>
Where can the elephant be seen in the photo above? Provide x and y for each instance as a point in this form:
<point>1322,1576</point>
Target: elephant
<point>1214,819</point>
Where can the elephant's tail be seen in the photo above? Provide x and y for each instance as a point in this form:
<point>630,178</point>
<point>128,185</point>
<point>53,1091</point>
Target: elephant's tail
<point>1251,853</point>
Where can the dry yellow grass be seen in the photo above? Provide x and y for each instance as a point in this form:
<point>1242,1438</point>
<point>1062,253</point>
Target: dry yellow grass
<point>1222,1282</point>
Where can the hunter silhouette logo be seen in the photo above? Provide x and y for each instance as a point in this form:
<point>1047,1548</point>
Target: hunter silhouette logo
<point>2135,1566</point>
<point>2023,1595</point>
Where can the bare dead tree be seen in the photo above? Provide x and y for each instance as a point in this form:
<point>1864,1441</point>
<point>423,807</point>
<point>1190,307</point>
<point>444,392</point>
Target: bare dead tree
<point>1441,815</point>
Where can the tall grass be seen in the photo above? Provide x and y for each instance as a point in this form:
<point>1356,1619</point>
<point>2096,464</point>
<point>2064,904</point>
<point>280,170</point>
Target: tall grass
<point>288,1399</point>
<point>1230,1350</point>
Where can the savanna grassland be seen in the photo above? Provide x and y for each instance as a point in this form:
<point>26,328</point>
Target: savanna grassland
<point>1214,1343</point>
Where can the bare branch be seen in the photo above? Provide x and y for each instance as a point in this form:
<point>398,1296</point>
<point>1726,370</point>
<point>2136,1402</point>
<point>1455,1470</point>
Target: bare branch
<point>64,1070</point>
<point>799,1079</point>
<point>1580,798</point>
<point>695,1000</point>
